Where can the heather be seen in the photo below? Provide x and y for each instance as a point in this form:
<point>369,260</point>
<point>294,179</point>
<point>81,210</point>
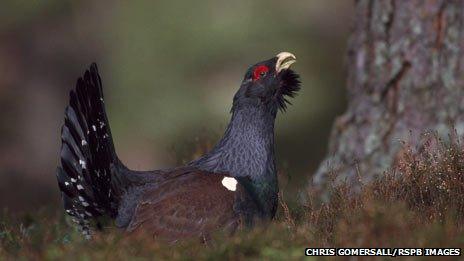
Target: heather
<point>418,203</point>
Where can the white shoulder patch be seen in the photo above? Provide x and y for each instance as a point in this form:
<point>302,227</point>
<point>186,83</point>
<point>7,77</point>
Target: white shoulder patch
<point>229,183</point>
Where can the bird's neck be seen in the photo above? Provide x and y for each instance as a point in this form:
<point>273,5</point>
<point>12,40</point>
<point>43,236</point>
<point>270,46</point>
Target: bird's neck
<point>247,150</point>
<point>247,147</point>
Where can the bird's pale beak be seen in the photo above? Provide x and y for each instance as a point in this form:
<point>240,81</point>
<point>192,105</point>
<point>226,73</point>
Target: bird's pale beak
<point>284,60</point>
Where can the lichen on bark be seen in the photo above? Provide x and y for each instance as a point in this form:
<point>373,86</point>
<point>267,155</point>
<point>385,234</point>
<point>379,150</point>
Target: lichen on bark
<point>405,77</point>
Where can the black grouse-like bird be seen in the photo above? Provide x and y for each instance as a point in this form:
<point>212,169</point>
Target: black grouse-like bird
<point>233,185</point>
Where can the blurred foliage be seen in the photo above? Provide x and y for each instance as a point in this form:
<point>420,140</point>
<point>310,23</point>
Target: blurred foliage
<point>421,208</point>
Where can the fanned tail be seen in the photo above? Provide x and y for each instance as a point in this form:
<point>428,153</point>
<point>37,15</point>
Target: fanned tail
<point>88,174</point>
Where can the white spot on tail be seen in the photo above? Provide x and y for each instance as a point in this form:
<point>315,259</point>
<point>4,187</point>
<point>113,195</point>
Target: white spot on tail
<point>79,187</point>
<point>83,164</point>
<point>229,183</point>
<point>94,128</point>
<point>84,142</point>
<point>73,180</point>
<point>66,183</point>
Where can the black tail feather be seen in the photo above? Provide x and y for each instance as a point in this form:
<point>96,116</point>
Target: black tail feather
<point>86,177</point>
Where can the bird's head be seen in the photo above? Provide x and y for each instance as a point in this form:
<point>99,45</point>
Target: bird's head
<point>269,83</point>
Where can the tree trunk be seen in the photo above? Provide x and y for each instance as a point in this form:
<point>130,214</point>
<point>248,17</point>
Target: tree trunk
<point>405,77</point>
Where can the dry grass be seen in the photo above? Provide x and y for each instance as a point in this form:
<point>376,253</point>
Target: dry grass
<point>418,204</point>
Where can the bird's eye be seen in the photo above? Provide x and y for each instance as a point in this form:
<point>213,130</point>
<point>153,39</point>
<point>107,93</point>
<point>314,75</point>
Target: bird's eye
<point>260,72</point>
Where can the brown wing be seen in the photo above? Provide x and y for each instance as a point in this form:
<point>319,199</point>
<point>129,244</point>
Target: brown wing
<point>193,204</point>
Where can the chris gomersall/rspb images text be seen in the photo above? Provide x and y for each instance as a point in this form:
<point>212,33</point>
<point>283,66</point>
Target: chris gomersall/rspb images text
<point>383,252</point>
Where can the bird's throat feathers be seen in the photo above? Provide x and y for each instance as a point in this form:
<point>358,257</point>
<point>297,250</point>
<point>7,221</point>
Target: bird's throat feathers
<point>247,147</point>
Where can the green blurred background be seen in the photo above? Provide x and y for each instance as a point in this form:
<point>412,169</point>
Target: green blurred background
<point>169,69</point>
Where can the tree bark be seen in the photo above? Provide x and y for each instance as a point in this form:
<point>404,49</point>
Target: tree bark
<point>405,77</point>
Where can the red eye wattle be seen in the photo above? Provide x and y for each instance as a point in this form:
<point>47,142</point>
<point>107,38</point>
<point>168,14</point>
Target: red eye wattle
<point>259,72</point>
